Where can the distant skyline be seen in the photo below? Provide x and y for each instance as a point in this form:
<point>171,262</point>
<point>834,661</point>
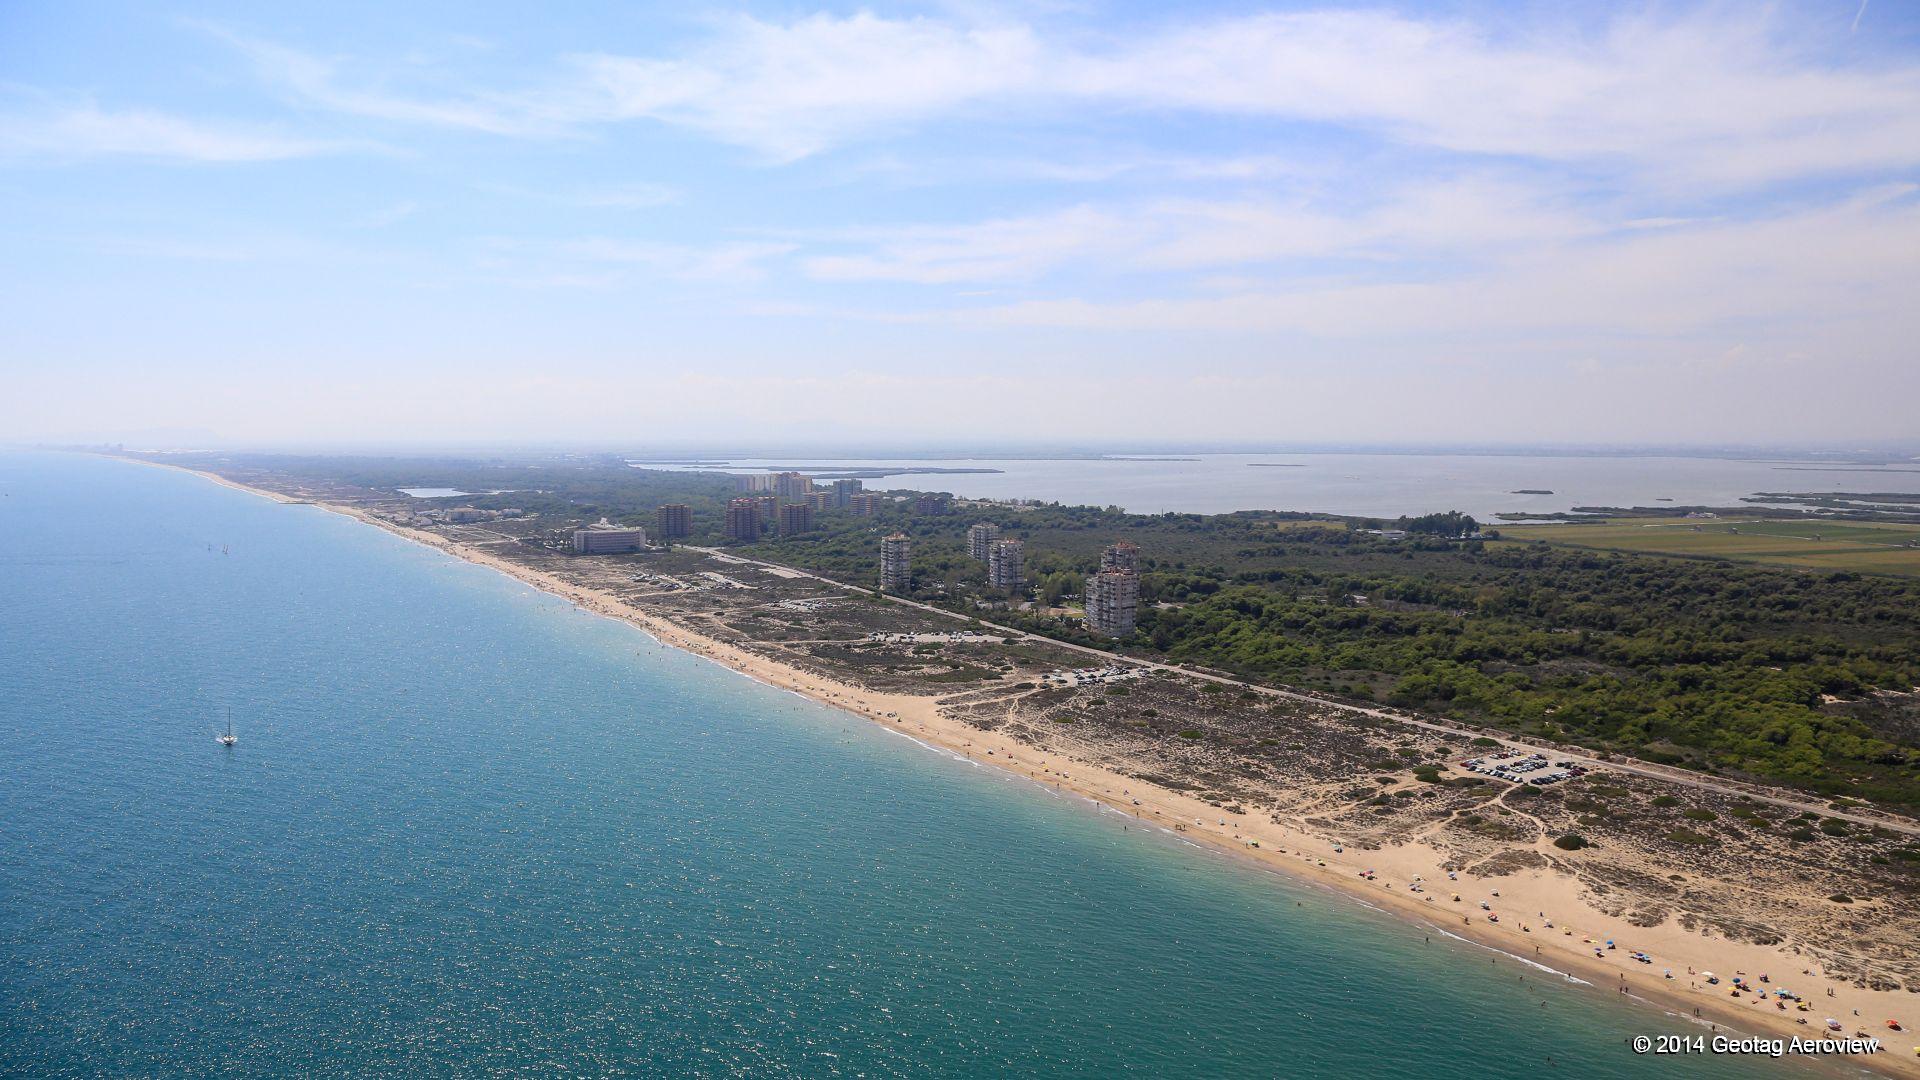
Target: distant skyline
<point>961,224</point>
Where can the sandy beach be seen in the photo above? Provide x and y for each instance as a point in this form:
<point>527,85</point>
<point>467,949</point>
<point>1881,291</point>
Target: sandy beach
<point>1544,918</point>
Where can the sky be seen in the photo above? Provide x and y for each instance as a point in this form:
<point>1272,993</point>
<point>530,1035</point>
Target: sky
<point>964,223</point>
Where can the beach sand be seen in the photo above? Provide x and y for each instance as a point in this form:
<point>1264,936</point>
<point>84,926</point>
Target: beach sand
<point>1301,854</point>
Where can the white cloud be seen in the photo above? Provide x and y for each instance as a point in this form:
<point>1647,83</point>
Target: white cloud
<point>319,81</point>
<point>1813,279</point>
<point>1729,95</point>
<point>792,90</point>
<point>636,196</point>
<point>1013,249</point>
<point>739,261</point>
<point>387,216</point>
<point>1466,217</point>
<point>1720,95</point>
<point>88,131</point>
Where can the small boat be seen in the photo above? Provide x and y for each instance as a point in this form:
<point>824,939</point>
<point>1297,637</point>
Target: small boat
<point>228,739</point>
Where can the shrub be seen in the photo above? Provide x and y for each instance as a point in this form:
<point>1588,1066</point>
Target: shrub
<point>1841,898</point>
<point>1699,814</point>
<point>1190,733</point>
<point>1666,800</point>
<point>1688,836</point>
<point>1573,841</point>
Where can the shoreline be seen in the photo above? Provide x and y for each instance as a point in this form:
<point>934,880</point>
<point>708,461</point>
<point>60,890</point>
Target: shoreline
<point>1281,849</point>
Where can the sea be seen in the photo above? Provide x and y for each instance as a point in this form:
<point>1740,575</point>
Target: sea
<point>1362,485</point>
<point>469,829</point>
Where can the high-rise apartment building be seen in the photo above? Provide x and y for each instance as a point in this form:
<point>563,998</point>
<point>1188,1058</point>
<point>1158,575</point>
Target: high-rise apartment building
<point>896,571</point>
<point>844,491</point>
<point>1113,599</point>
<point>863,505</point>
<point>821,501</point>
<point>980,540</point>
<point>795,518</point>
<point>1007,565</point>
<point>791,485</point>
<point>673,521</point>
<point>743,520</point>
<point>1121,556</point>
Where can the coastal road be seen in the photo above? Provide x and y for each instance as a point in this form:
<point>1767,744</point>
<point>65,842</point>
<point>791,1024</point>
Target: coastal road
<point>1559,753</point>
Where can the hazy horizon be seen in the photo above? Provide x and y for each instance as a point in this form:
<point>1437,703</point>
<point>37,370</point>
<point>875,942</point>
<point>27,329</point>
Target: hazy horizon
<point>1892,452</point>
<point>961,225</point>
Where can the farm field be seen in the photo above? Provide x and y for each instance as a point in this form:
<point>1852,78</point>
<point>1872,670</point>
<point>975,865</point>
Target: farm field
<point>1856,546</point>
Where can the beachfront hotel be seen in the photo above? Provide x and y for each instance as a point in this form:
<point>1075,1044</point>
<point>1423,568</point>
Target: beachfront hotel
<point>607,540</point>
<point>896,572</point>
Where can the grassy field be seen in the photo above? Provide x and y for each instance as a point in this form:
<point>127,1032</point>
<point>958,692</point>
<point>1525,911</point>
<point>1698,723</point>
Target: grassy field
<point>1864,548</point>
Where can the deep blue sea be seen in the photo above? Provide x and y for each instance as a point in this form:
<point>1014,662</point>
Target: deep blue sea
<point>469,829</point>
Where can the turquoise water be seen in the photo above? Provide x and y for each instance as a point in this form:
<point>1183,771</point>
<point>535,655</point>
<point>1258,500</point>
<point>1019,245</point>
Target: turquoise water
<point>469,829</point>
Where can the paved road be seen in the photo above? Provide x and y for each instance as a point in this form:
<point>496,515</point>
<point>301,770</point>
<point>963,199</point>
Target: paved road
<point>1559,753</point>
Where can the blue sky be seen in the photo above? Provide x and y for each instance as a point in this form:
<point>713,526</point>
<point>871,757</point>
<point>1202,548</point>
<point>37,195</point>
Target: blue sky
<point>996,222</point>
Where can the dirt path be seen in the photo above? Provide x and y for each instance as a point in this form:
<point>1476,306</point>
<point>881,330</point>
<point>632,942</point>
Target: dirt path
<point>1615,764</point>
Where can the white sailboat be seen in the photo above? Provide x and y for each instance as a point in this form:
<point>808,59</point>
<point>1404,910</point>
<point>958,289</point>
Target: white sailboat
<point>228,739</point>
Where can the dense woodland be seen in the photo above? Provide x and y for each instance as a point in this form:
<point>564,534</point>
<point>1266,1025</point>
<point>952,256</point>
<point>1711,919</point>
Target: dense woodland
<point>1801,677</point>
